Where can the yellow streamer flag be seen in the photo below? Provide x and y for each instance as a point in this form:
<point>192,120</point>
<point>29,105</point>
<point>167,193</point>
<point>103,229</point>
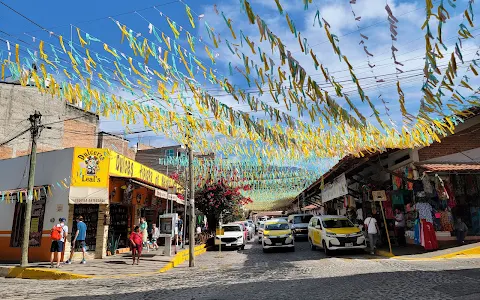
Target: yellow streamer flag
<point>82,41</point>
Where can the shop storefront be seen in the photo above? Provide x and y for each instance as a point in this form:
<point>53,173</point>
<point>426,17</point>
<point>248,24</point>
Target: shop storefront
<point>110,191</point>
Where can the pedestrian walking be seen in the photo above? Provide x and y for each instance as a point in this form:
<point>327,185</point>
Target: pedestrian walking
<point>79,240</point>
<point>144,231</point>
<point>400,227</point>
<point>461,230</point>
<point>136,241</point>
<point>155,236</point>
<point>372,231</point>
<point>58,235</point>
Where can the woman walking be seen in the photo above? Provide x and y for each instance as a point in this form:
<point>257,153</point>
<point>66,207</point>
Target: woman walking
<point>136,241</point>
<point>143,229</point>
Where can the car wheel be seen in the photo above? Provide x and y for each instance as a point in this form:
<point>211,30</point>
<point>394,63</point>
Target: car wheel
<point>325,249</point>
<point>242,247</point>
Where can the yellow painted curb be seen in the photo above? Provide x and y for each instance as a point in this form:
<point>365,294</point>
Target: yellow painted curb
<point>384,253</point>
<point>37,273</point>
<point>472,252</point>
<point>181,257</point>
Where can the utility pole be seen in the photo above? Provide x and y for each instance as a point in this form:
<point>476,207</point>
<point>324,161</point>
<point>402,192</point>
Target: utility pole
<point>185,205</point>
<point>35,129</point>
<point>191,238</point>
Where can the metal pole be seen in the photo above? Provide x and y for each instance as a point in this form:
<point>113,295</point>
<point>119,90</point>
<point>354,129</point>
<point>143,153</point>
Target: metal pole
<point>35,121</point>
<point>386,228</point>
<point>185,205</point>
<point>191,238</point>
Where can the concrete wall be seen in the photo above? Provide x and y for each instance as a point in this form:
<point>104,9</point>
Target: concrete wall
<point>51,168</point>
<point>19,102</point>
<point>115,143</point>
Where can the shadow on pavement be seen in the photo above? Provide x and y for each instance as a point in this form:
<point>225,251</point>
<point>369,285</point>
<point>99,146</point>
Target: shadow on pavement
<point>385,285</point>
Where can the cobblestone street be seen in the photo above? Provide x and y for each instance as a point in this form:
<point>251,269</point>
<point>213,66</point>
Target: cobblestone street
<point>252,274</point>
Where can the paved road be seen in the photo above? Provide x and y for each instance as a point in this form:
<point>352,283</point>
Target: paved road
<point>252,274</point>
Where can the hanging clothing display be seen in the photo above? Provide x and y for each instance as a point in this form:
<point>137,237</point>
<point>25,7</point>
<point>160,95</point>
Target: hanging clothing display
<point>429,237</point>
<point>427,184</point>
<point>417,231</point>
<point>397,198</point>
<point>459,186</point>
<point>424,211</point>
<point>475,216</point>
<point>440,188</point>
<point>447,225</point>
<point>451,195</point>
<point>471,185</point>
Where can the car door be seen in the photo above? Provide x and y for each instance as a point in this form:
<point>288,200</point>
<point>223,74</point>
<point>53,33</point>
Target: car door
<point>317,236</point>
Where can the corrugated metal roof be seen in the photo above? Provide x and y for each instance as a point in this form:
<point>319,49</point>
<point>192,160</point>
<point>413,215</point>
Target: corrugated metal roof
<point>449,167</point>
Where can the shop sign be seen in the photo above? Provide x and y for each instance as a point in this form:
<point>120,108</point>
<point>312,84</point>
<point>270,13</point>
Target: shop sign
<point>90,167</point>
<point>122,166</point>
<point>161,194</point>
<point>88,201</point>
<point>88,195</point>
<point>337,188</point>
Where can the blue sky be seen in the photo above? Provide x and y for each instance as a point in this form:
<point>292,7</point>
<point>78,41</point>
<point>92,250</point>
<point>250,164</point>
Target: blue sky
<point>92,17</point>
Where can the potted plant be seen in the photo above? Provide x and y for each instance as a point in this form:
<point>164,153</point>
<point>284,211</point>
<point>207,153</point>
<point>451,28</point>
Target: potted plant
<point>113,245</point>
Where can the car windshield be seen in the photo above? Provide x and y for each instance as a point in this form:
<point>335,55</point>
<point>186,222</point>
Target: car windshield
<point>337,223</point>
<point>277,226</point>
<point>301,219</point>
<point>262,225</point>
<point>231,228</point>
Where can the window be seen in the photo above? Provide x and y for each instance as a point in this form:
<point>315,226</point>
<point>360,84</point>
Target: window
<point>169,152</point>
<point>314,222</point>
<point>278,226</point>
<point>36,223</point>
<point>302,219</point>
<point>337,223</point>
<point>231,228</point>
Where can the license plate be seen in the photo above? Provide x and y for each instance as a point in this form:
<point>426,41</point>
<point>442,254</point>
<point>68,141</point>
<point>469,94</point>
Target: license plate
<point>228,245</point>
<point>348,244</point>
<point>278,244</point>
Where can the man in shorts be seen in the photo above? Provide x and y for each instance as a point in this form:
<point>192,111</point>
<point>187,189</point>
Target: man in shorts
<point>79,240</point>
<point>57,245</point>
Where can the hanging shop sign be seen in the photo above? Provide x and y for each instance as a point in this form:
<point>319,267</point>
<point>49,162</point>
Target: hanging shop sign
<point>161,194</point>
<point>89,167</point>
<point>379,195</point>
<point>337,188</point>
<point>88,195</point>
<point>122,166</point>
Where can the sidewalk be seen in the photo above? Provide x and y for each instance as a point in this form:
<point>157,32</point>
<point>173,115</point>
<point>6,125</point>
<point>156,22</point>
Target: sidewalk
<point>116,266</point>
<point>415,252</point>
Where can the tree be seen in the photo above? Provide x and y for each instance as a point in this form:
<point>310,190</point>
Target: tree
<point>218,198</point>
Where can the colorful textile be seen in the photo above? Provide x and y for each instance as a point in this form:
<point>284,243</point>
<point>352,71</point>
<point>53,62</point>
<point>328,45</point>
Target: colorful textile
<point>427,184</point>
<point>445,221</point>
<point>417,231</point>
<point>451,195</point>
<point>429,236</point>
<point>424,211</point>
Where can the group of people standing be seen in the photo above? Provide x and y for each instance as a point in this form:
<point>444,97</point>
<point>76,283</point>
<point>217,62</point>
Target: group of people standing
<point>139,238</point>
<point>59,235</point>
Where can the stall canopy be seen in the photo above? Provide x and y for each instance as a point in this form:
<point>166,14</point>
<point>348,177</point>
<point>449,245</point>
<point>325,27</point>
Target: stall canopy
<point>450,167</point>
<point>337,188</point>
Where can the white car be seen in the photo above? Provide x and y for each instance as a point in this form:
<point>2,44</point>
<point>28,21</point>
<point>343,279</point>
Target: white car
<point>261,227</point>
<point>232,237</point>
<point>250,227</point>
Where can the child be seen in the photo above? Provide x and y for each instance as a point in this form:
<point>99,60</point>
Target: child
<point>136,241</point>
<point>155,236</point>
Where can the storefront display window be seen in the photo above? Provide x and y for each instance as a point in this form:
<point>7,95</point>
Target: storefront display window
<point>90,218</point>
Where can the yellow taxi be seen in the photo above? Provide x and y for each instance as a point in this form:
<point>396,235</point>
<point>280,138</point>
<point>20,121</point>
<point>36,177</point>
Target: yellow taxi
<point>277,234</point>
<point>334,233</point>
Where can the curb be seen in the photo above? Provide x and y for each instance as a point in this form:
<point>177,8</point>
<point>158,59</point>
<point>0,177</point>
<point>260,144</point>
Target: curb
<point>182,257</point>
<point>51,274</point>
<point>467,253</point>
<point>37,273</point>
<point>384,253</point>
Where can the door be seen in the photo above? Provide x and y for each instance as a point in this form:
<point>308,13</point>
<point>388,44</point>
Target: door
<point>316,232</point>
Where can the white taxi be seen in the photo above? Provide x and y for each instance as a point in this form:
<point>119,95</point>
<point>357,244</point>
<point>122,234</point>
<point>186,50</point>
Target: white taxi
<point>334,233</point>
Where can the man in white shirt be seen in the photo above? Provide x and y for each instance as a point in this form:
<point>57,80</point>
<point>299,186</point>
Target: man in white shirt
<point>371,227</point>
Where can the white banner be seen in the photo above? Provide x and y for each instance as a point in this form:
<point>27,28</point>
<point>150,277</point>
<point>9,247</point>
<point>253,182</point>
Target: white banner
<point>88,195</point>
<point>161,194</point>
<point>335,189</point>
